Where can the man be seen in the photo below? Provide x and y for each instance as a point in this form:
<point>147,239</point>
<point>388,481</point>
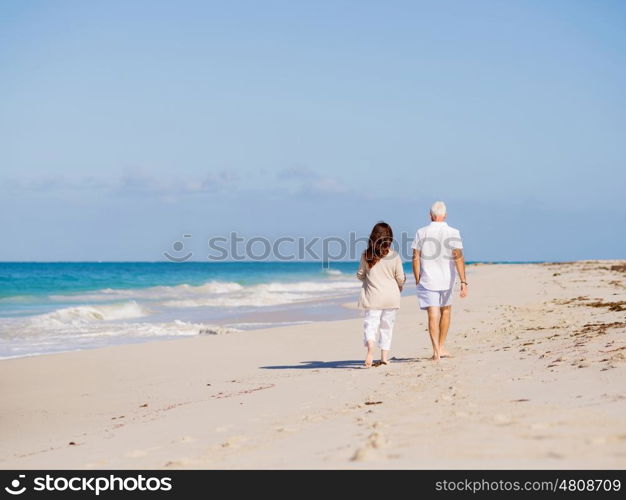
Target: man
<point>437,255</point>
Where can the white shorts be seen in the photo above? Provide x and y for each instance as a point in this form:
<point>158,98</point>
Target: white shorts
<point>433,298</point>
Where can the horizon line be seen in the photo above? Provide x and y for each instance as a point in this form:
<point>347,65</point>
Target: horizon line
<point>486,261</point>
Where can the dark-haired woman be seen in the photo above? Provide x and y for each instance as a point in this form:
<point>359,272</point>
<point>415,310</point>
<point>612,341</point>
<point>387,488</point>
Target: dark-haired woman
<point>382,275</point>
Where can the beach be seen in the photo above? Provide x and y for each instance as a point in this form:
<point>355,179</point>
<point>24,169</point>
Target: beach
<point>537,380</point>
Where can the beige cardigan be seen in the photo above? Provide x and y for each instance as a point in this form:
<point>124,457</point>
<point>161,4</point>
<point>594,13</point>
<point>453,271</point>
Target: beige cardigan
<point>382,283</point>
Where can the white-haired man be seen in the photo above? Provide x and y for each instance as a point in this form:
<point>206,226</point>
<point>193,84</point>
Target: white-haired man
<point>437,256</point>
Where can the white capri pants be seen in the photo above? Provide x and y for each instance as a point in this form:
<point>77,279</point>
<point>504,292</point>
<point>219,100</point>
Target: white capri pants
<point>379,321</point>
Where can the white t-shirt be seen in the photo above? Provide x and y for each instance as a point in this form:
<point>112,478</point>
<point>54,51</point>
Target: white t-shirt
<point>435,243</point>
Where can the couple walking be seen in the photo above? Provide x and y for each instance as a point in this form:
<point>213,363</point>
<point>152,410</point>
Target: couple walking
<point>437,257</point>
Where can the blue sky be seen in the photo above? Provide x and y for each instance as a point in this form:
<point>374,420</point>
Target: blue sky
<point>124,125</point>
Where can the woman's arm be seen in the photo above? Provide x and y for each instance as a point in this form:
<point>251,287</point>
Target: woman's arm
<point>399,273</point>
<point>360,274</point>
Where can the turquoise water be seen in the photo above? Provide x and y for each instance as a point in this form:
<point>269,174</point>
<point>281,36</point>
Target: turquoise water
<point>26,287</point>
<point>49,307</point>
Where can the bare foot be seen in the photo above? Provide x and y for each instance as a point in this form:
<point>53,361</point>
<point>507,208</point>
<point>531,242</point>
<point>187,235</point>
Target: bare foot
<point>445,354</point>
<point>434,357</point>
<point>368,360</point>
<point>384,356</point>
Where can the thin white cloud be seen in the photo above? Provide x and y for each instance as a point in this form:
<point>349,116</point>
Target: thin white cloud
<point>132,182</point>
<point>304,180</point>
<point>295,181</point>
<point>297,172</point>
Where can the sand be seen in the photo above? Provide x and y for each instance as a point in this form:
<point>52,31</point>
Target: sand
<point>538,380</point>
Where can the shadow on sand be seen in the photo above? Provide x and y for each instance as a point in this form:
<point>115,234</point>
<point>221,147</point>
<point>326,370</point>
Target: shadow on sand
<point>318,365</point>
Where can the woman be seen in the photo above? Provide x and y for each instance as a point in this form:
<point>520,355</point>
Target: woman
<point>382,275</point>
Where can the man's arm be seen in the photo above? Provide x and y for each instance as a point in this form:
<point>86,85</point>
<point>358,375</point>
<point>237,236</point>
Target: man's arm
<point>416,265</point>
<point>459,262</point>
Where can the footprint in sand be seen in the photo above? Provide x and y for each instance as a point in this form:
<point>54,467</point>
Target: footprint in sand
<point>183,462</point>
<point>361,454</point>
<point>233,442</point>
<point>285,430</point>
<point>374,442</point>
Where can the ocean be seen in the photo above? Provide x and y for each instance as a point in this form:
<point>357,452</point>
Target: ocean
<point>53,307</point>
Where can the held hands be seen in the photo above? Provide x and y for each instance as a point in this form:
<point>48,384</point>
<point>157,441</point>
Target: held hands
<point>463,290</point>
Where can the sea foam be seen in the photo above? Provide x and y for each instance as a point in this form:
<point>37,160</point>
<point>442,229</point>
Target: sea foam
<point>88,314</point>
